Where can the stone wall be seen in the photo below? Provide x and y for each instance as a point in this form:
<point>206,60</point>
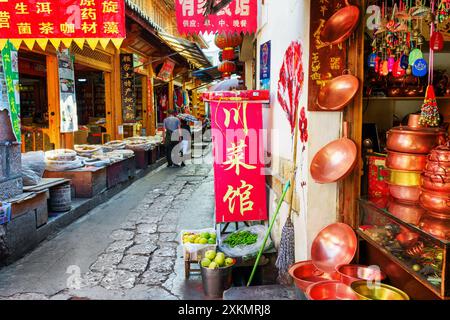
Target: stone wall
<point>10,170</point>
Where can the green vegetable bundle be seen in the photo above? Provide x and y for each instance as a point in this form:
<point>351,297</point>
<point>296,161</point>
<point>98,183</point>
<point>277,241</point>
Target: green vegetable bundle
<point>241,238</point>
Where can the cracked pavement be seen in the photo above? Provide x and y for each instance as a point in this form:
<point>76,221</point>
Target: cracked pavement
<point>126,248</point>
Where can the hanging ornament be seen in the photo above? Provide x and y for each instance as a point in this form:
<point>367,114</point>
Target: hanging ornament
<point>430,113</point>
<point>404,61</point>
<point>420,68</point>
<point>443,12</point>
<point>384,69</point>
<point>391,62</point>
<point>437,41</point>
<point>372,60</point>
<point>414,55</point>
<point>397,70</point>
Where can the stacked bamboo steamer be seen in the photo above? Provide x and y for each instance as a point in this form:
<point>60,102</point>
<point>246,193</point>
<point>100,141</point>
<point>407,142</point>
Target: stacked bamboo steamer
<point>407,152</point>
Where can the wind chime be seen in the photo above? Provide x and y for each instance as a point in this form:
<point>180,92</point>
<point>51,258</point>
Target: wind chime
<point>227,42</point>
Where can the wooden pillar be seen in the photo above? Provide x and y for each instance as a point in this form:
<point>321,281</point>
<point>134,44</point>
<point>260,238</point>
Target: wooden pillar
<point>350,188</point>
<point>53,100</point>
<point>151,103</point>
<point>194,103</point>
<point>116,98</point>
<point>109,102</point>
<point>171,93</point>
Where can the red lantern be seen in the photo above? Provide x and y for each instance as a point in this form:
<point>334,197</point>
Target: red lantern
<point>228,54</point>
<point>437,41</point>
<point>227,68</point>
<point>228,40</point>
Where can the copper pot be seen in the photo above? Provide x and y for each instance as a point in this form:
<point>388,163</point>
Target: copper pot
<point>408,213</point>
<point>338,93</point>
<point>340,25</point>
<point>354,272</point>
<point>438,202</point>
<point>405,161</point>
<point>414,121</point>
<point>438,168</point>
<point>435,183</point>
<point>440,154</point>
<point>335,161</point>
<point>414,140</point>
<point>405,194</point>
<point>330,290</point>
<point>305,274</point>
<point>436,226</point>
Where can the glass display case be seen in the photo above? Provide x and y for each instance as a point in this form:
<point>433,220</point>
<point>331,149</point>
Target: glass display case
<point>405,233</point>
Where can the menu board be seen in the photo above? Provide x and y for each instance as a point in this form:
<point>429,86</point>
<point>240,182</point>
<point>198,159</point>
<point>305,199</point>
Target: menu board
<point>127,83</point>
<point>325,62</point>
<point>68,101</point>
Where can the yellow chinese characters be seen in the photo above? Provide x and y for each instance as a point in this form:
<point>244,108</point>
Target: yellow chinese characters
<point>43,7</point>
<point>67,27</point>
<point>110,7</point>
<point>4,19</point>
<point>111,27</point>
<point>46,27</point>
<point>237,116</point>
<point>88,14</point>
<point>242,195</point>
<point>89,27</point>
<point>24,28</point>
<point>235,156</point>
<point>21,8</point>
<point>87,3</point>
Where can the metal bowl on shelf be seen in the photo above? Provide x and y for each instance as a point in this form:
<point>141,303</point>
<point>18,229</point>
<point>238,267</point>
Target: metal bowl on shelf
<point>405,161</point>
<point>404,178</point>
<point>305,273</point>
<point>409,213</point>
<point>404,194</point>
<point>369,291</point>
<point>350,273</point>
<point>330,290</point>
<point>435,201</point>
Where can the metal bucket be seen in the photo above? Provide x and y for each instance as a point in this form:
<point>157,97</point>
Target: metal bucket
<point>60,198</point>
<point>216,281</point>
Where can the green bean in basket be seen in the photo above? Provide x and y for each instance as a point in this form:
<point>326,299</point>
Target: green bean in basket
<point>241,238</point>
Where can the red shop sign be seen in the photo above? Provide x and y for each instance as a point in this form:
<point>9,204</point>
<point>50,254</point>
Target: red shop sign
<point>238,161</point>
<point>62,19</point>
<point>206,16</point>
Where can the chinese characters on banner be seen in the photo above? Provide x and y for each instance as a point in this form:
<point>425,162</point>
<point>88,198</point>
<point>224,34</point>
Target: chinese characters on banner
<point>68,101</point>
<point>65,19</point>
<point>325,62</point>
<point>166,71</point>
<point>127,80</point>
<point>198,16</point>
<point>238,161</point>
<point>9,87</point>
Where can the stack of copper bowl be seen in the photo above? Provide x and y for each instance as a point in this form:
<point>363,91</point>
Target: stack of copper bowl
<point>407,151</point>
<point>435,195</point>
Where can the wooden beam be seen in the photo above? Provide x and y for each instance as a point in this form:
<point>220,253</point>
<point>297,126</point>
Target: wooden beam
<point>350,188</point>
<point>53,100</point>
<point>109,102</point>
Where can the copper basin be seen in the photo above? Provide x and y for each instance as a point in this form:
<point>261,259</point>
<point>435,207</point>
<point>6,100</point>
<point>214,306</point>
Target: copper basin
<point>305,273</point>
<point>335,161</point>
<point>405,161</point>
<point>435,201</point>
<point>334,245</point>
<point>414,140</point>
<point>338,93</point>
<point>340,25</point>
<point>405,194</point>
<point>406,212</point>
<point>436,183</point>
<point>350,273</point>
<point>436,226</point>
<point>366,291</point>
<point>330,290</point>
<point>404,178</point>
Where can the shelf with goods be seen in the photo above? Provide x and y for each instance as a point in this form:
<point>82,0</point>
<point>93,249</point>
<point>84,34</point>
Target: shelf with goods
<point>408,243</point>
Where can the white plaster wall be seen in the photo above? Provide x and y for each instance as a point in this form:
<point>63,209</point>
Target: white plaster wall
<point>286,21</point>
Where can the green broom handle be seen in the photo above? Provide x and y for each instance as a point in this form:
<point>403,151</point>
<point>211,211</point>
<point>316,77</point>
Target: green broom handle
<point>286,188</point>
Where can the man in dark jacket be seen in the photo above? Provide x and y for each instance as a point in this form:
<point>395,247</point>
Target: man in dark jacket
<point>171,125</point>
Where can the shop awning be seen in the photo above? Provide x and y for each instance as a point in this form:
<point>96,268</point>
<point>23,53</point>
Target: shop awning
<point>187,49</point>
<point>208,74</point>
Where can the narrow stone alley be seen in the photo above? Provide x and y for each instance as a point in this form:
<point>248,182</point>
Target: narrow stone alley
<point>127,248</point>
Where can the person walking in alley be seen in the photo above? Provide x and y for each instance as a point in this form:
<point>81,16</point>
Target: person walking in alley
<point>186,140</point>
<point>171,125</point>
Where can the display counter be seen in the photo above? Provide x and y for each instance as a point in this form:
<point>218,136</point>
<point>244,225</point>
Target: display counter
<point>398,239</point>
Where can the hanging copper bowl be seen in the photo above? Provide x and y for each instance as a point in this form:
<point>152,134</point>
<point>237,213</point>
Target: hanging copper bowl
<point>334,245</point>
<point>338,93</point>
<point>340,25</point>
<point>335,161</point>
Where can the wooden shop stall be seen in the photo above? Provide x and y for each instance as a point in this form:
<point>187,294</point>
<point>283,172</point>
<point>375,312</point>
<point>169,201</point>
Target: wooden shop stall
<point>394,191</point>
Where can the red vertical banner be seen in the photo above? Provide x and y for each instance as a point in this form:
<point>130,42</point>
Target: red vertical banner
<point>239,178</point>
